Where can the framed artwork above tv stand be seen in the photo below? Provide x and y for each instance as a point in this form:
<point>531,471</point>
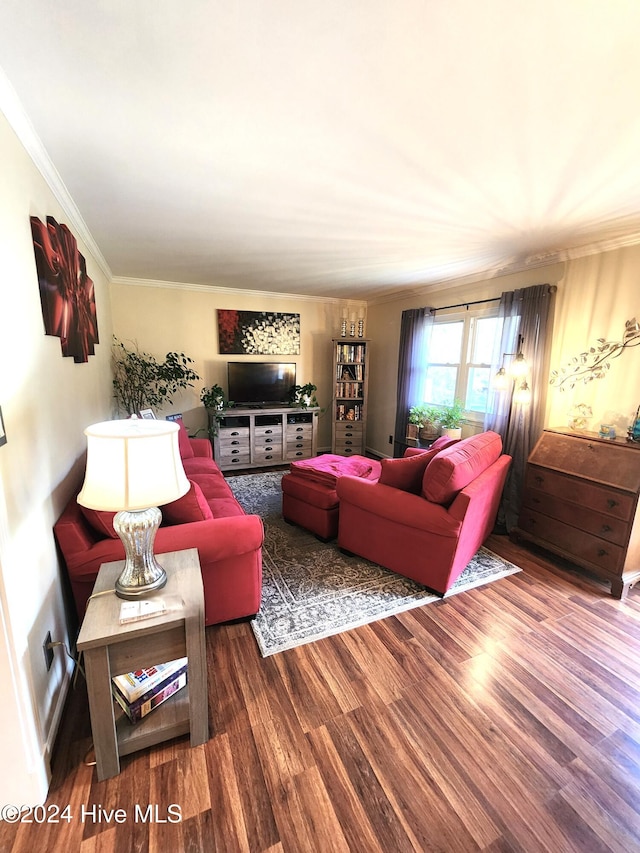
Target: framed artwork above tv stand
<point>258,436</point>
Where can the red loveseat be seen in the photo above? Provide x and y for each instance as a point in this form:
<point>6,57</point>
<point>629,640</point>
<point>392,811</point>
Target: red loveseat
<point>429,512</point>
<point>208,518</point>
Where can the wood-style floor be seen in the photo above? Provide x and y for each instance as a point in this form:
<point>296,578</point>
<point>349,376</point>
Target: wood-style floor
<point>506,718</point>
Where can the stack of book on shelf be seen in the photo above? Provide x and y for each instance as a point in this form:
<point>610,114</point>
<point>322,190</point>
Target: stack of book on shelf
<point>139,692</point>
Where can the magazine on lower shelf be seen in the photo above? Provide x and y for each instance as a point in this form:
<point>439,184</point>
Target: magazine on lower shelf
<point>138,693</point>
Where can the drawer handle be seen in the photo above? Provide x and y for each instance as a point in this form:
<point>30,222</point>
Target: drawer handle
<point>299,429</point>
<point>602,552</point>
<point>235,451</point>
<point>235,442</point>
<point>606,528</point>
<point>535,500</point>
<point>348,442</point>
<point>611,503</point>
<point>235,433</point>
<point>299,445</point>
<point>268,431</point>
<point>539,479</point>
<point>299,453</point>
<point>268,457</point>
<point>268,441</point>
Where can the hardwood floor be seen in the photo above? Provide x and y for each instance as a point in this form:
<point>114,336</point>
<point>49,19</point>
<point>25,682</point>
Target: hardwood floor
<point>506,718</point>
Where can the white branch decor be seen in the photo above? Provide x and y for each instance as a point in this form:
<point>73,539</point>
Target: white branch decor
<point>595,363</point>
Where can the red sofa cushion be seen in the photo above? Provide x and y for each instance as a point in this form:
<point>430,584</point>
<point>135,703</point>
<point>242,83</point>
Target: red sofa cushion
<point>100,520</point>
<point>190,507</point>
<point>184,445</point>
<point>407,473</point>
<point>455,467</point>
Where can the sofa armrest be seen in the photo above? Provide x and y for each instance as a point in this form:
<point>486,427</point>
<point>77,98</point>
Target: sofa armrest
<point>397,506</point>
<point>202,447</point>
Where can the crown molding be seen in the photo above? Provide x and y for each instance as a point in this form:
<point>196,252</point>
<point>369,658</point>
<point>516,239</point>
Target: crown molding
<point>234,291</point>
<point>14,112</point>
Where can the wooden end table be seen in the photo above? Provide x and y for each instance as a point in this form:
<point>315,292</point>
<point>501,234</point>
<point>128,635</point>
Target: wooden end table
<point>112,649</point>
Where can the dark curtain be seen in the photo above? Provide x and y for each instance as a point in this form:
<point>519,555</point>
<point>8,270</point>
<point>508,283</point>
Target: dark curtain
<point>525,312</point>
<point>415,332</point>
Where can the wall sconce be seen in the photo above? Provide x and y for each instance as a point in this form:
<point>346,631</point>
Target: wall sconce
<point>518,369</point>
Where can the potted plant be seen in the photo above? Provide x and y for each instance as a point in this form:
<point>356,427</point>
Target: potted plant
<point>451,418</point>
<point>423,422</point>
<point>213,399</point>
<point>140,381</point>
<point>303,396</point>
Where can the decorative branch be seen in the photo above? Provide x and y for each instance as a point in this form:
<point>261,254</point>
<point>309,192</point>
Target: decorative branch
<point>595,363</point>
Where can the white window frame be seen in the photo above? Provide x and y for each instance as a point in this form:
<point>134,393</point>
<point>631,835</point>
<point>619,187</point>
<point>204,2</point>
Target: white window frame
<point>467,317</point>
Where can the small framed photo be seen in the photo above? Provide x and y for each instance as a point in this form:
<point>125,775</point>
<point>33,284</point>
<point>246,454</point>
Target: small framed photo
<point>147,414</point>
<point>3,435</point>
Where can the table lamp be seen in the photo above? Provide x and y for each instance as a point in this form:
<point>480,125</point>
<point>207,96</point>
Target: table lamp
<point>132,466</point>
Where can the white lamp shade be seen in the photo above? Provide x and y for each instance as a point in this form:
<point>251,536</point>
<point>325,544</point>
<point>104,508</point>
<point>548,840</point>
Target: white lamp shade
<point>132,465</point>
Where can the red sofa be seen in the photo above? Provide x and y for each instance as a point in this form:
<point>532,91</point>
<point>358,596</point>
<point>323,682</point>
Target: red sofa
<point>208,518</point>
<point>429,512</point>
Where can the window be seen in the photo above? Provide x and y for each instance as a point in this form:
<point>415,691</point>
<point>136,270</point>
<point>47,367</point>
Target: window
<point>458,362</point>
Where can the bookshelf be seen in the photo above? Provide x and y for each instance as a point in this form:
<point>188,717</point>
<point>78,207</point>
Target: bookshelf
<point>350,393</point>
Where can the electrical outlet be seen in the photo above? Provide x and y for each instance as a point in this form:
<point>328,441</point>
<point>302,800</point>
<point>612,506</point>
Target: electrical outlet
<point>390,439</point>
<point>48,652</point>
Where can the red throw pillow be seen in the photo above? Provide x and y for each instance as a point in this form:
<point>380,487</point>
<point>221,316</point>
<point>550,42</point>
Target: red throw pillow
<point>457,466</point>
<point>407,473</point>
<point>100,520</point>
<point>190,507</point>
<point>184,445</point>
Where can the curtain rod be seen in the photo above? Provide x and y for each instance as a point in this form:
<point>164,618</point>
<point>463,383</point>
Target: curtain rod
<point>464,304</point>
<point>552,289</point>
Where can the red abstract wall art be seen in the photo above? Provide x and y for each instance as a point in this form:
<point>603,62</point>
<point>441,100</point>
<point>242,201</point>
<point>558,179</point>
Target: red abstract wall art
<point>66,292</point>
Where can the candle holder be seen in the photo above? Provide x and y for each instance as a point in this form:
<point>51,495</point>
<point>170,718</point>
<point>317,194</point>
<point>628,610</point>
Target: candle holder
<point>352,328</point>
<point>360,328</point>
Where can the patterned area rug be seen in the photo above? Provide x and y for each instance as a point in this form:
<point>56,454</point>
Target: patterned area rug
<point>311,590</point>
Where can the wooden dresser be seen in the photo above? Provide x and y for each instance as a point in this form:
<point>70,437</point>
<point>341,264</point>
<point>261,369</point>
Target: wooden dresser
<point>580,501</point>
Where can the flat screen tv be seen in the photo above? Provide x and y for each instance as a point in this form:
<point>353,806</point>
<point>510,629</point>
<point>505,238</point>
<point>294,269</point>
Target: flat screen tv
<point>253,383</point>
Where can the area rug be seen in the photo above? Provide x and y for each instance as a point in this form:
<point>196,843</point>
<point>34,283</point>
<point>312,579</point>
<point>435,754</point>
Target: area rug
<point>311,590</point>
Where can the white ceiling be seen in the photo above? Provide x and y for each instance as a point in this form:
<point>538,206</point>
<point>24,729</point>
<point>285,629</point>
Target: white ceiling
<point>336,148</point>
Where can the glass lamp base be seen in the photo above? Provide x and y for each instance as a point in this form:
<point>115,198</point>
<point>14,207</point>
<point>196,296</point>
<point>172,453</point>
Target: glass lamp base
<point>142,574</point>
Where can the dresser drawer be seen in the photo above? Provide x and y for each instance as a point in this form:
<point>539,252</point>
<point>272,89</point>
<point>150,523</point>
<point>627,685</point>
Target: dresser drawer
<point>296,431</point>
<point>299,444</point>
<point>235,455</point>
<point>264,442</point>
<point>299,451</point>
<point>262,431</point>
<point>348,448</point>
<point>268,454</point>
<point>580,492</point>
<point>237,432</point>
<point>573,542</point>
<point>228,442</point>
<point>608,527</point>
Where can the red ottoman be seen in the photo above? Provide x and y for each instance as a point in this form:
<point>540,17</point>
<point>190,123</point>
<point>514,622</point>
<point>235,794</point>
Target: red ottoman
<point>309,496</point>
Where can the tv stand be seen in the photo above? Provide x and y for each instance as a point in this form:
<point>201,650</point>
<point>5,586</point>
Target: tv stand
<point>251,437</point>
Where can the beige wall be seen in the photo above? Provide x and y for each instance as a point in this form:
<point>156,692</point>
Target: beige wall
<point>595,296</point>
<point>164,318</point>
<point>46,402</point>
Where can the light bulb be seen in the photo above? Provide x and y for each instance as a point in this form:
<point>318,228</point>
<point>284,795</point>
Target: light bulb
<point>522,394</point>
<point>519,366</point>
<point>501,380</point>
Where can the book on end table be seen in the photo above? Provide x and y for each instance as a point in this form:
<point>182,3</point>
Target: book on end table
<point>139,692</point>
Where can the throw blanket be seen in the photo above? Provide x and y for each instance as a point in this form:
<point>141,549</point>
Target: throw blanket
<point>328,467</point>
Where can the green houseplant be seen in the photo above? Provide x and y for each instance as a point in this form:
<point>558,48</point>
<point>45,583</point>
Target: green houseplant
<point>214,401</point>
<point>451,418</point>
<point>140,381</point>
<point>303,396</point>
<point>423,422</point>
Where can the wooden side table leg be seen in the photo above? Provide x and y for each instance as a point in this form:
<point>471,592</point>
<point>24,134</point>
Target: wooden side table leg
<point>198,699</point>
<point>103,723</point>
